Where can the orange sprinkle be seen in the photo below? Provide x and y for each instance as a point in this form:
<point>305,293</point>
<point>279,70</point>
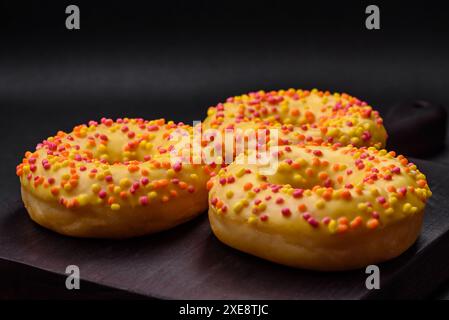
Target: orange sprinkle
<point>391,189</point>
<point>184,185</point>
<point>302,207</point>
<point>123,194</point>
<point>346,194</point>
<point>327,195</point>
<point>342,228</point>
<point>421,182</point>
<point>163,182</point>
<point>295,112</point>
<point>357,221</point>
<point>323,175</point>
<point>343,220</point>
<point>310,172</point>
<point>209,184</point>
<point>247,186</point>
<point>54,191</point>
<point>133,168</point>
<point>372,223</point>
<point>173,193</point>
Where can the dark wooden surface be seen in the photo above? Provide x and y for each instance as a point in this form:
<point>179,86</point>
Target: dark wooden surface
<point>188,262</point>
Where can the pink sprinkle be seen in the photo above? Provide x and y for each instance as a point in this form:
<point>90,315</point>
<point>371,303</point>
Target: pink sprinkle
<point>313,222</point>
<point>375,215</point>
<point>108,178</point>
<point>306,215</point>
<point>381,200</point>
<point>222,181</point>
<point>143,200</point>
<point>102,194</point>
<point>191,189</point>
<point>326,220</point>
<point>298,193</point>
<point>144,181</point>
<point>177,166</point>
<point>366,136</point>
<point>396,170</point>
<point>153,128</point>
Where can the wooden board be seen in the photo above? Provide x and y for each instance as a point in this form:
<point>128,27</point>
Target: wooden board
<point>188,262</point>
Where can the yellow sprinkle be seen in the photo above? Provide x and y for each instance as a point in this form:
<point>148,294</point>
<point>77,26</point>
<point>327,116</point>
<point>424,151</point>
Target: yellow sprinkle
<point>152,195</point>
<point>332,226</point>
<point>82,199</point>
<point>125,182</point>
<point>362,206</point>
<point>283,166</point>
<point>100,176</point>
<point>171,173</point>
<point>95,187</point>
<point>65,176</point>
<point>102,148</point>
<point>389,211</point>
<point>252,219</point>
<point>240,173</point>
<point>194,176</point>
<point>392,200</point>
<point>229,194</point>
<point>115,206</point>
<point>67,187</point>
<point>117,189</point>
<point>320,204</point>
<point>262,207</point>
<point>406,207</point>
<point>374,191</point>
<point>251,194</point>
<point>238,207</point>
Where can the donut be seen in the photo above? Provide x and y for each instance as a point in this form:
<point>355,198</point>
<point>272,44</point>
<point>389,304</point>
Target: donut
<point>303,116</point>
<point>326,207</point>
<point>113,179</point>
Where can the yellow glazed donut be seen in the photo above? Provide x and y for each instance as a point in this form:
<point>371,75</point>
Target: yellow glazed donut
<point>327,207</point>
<point>112,180</point>
<point>303,116</point>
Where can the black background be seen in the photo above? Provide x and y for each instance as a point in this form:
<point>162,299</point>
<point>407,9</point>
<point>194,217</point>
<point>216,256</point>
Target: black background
<point>173,59</point>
